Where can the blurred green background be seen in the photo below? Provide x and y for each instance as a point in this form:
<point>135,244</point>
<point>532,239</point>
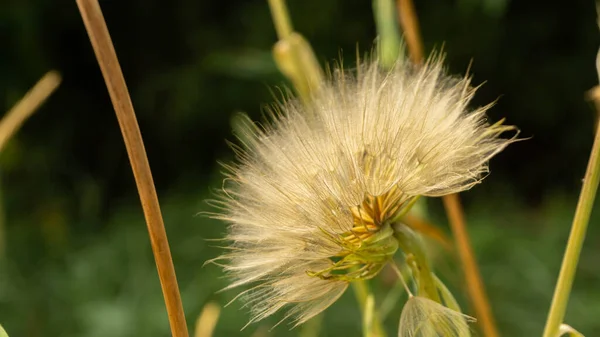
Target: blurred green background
<point>78,259</point>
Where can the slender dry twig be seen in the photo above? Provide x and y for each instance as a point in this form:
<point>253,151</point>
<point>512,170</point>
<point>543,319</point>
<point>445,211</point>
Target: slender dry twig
<point>475,287</point>
<point>14,118</point>
<point>111,70</point>
<point>410,26</point>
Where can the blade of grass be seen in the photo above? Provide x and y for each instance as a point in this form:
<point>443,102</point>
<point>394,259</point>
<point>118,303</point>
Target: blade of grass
<point>15,117</point>
<point>475,287</point>
<point>113,76</point>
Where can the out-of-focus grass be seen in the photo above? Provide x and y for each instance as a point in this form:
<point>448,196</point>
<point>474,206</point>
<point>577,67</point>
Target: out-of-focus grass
<point>106,284</point>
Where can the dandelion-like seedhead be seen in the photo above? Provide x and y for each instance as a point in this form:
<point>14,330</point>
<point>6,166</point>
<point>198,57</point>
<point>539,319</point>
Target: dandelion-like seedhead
<point>311,199</point>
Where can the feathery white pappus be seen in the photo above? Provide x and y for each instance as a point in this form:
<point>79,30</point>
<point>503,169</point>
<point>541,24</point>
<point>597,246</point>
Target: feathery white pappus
<point>310,202</point>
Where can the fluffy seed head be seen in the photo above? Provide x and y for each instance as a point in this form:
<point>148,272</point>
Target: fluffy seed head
<point>310,201</point>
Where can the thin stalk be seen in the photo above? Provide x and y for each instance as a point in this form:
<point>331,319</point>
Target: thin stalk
<point>416,259</point>
<point>390,41</point>
<point>15,117</point>
<point>576,237</point>
<point>475,287</point>
<point>368,315</point>
<point>410,26</point>
<point>281,18</point>
<point>401,278</point>
<point>117,88</point>
<point>362,292</point>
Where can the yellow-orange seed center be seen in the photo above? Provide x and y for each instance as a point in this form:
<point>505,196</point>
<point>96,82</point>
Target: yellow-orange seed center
<point>372,214</point>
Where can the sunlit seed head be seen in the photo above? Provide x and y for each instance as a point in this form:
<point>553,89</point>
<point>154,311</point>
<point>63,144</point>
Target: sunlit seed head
<point>310,201</point>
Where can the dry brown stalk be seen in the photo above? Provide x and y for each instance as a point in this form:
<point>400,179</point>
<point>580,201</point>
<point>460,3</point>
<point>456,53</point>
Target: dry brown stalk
<point>14,118</point>
<point>475,286</point>
<point>113,76</point>
<point>410,26</point>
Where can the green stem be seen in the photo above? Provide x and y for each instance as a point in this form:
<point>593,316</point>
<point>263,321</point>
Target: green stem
<point>281,18</point>
<point>362,292</point>
<point>576,238</point>
<point>417,259</point>
<point>390,41</point>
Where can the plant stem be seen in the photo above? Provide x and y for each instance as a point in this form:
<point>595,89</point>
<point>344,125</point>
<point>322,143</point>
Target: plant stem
<point>32,100</point>
<point>475,285</point>
<point>14,118</point>
<point>113,76</point>
<point>410,26</point>
<point>362,292</point>
<point>281,18</point>
<point>390,41</point>
<point>576,237</point>
<point>416,258</point>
